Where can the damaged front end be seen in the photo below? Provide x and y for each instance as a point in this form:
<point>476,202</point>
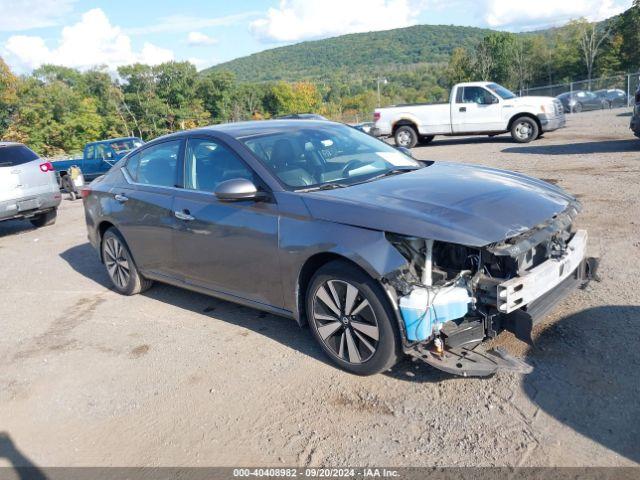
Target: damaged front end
<point>452,297</point>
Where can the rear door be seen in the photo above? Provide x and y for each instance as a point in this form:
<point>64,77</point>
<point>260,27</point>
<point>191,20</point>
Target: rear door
<point>476,109</point>
<point>144,206</point>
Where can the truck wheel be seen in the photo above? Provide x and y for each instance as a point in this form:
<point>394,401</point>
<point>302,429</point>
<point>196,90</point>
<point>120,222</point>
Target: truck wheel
<point>524,129</point>
<point>45,219</point>
<point>406,136</point>
<point>426,139</point>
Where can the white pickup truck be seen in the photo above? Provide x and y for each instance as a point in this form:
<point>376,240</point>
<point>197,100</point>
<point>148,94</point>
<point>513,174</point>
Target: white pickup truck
<point>474,108</point>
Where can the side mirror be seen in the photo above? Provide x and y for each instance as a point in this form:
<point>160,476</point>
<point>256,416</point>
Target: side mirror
<point>238,189</point>
<point>406,151</point>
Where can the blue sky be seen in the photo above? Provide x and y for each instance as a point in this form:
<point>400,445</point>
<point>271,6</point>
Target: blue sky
<point>81,33</point>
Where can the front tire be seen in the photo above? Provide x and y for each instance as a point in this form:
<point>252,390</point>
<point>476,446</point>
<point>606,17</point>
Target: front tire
<point>524,130</point>
<point>406,136</point>
<point>120,266</point>
<point>351,319</point>
<point>45,219</point>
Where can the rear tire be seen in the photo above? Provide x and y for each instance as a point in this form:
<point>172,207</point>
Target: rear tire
<point>406,136</point>
<point>120,266</point>
<point>45,219</point>
<point>364,338</point>
<point>524,129</point>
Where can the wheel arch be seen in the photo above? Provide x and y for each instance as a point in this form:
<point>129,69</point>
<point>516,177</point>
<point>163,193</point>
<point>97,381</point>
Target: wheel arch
<point>524,114</point>
<point>405,121</point>
<point>308,270</point>
<point>103,226</point>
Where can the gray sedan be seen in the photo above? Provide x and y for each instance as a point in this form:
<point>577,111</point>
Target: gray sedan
<point>380,254</point>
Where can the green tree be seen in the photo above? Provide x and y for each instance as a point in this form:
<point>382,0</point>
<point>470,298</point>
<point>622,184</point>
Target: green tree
<point>8,95</point>
<point>460,67</point>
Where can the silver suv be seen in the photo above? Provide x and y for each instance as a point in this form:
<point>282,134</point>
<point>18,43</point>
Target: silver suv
<point>28,186</point>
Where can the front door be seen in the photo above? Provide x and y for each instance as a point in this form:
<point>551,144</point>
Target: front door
<point>476,110</point>
<point>229,247</point>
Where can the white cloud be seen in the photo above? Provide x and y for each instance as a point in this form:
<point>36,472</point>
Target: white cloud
<point>296,20</point>
<point>542,13</point>
<point>197,39</point>
<point>27,14</point>
<point>90,42</point>
<point>184,23</point>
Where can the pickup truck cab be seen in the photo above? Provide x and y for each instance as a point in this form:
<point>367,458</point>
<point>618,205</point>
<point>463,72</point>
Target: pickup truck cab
<point>99,157</point>
<point>475,108</point>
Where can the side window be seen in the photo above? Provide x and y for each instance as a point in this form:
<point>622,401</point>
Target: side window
<point>156,165</point>
<point>91,152</point>
<point>476,95</point>
<point>104,152</point>
<point>208,163</point>
<point>133,162</point>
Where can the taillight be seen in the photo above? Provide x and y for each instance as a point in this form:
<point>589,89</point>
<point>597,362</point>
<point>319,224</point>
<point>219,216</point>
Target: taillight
<point>376,116</point>
<point>85,191</point>
<point>46,167</point>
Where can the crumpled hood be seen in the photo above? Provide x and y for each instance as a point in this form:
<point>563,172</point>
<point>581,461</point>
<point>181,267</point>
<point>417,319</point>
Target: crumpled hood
<point>457,203</point>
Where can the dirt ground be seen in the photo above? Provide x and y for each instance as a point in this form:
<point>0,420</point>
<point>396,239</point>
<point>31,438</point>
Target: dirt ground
<point>91,378</point>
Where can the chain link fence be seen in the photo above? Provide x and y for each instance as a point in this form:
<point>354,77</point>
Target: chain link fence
<point>604,92</point>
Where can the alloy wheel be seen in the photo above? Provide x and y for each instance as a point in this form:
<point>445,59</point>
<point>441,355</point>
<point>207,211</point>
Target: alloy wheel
<point>116,262</point>
<point>345,321</point>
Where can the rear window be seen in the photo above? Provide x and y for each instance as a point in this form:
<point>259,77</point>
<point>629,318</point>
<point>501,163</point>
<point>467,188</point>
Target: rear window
<point>13,155</point>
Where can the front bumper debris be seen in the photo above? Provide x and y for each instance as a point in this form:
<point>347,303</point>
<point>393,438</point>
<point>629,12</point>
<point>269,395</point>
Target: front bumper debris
<point>467,362</point>
<point>525,289</point>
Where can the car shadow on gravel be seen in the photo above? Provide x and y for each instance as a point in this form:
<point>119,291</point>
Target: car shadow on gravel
<point>84,260</point>
<point>587,375</point>
<point>442,140</point>
<point>605,146</point>
<point>15,227</point>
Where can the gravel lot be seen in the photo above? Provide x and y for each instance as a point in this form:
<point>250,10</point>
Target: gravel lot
<point>170,377</point>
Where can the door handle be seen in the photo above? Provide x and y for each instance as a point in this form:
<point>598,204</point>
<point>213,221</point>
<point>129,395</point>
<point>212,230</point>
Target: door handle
<point>184,215</point>
<point>121,198</point>
<point>463,109</point>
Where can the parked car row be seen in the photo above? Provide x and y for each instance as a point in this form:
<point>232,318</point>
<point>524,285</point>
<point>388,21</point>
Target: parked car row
<point>583,100</point>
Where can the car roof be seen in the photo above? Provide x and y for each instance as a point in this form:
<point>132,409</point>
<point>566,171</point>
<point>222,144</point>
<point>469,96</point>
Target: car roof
<point>108,140</point>
<point>257,127</point>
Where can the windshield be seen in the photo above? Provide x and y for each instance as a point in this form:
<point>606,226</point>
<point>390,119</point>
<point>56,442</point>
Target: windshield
<point>331,154</point>
<point>121,146</point>
<point>499,90</point>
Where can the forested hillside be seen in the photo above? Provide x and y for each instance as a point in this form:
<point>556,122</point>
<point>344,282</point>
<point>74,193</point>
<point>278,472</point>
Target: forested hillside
<point>359,52</point>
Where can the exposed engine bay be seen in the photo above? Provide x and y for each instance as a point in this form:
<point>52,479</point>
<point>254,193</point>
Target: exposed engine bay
<point>452,297</point>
